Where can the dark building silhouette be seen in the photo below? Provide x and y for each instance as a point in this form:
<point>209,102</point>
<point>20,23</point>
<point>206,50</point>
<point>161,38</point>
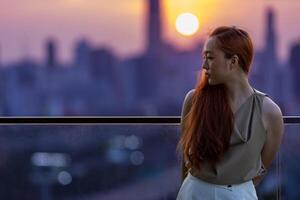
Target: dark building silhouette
<point>0,57</point>
<point>294,62</point>
<point>147,79</point>
<point>82,54</point>
<point>103,64</point>
<point>51,53</point>
<point>269,71</point>
<point>27,74</point>
<point>149,66</point>
<point>154,40</point>
<point>271,38</point>
<point>103,69</point>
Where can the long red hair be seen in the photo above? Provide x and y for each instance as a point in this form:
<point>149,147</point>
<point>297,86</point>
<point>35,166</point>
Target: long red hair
<point>209,122</point>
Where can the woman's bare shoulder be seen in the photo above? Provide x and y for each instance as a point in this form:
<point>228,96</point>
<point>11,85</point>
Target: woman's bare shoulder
<point>270,108</point>
<point>272,115</point>
<point>187,103</point>
<point>189,95</point>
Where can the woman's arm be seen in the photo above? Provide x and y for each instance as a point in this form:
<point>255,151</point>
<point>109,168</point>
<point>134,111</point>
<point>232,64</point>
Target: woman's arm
<point>187,103</point>
<point>273,123</point>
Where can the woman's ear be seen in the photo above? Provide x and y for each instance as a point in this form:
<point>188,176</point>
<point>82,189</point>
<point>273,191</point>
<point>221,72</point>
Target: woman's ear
<point>234,59</point>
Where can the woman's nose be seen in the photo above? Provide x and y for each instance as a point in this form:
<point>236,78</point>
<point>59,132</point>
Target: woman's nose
<point>205,65</point>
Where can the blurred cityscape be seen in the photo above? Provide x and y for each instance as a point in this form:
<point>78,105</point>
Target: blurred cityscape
<point>123,162</point>
<point>154,82</point>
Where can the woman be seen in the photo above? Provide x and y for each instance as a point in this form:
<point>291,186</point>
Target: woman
<point>230,131</point>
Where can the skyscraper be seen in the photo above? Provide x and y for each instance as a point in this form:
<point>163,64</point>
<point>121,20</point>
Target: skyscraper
<point>149,66</point>
<point>269,65</point>
<point>103,64</point>
<point>271,39</point>
<point>82,53</point>
<point>51,53</point>
<point>0,57</point>
<point>294,62</point>
<point>154,26</point>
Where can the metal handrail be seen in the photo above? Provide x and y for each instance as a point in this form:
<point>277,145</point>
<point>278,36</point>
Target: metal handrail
<point>102,120</point>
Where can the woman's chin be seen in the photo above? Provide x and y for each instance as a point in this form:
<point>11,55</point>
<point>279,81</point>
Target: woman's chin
<point>211,82</point>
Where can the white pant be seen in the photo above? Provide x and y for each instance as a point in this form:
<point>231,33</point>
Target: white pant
<point>194,188</point>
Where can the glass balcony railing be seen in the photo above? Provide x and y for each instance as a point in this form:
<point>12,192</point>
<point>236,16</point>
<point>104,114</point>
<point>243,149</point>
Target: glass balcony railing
<point>110,158</point>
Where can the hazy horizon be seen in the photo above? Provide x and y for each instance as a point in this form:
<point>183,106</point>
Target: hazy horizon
<point>26,25</point>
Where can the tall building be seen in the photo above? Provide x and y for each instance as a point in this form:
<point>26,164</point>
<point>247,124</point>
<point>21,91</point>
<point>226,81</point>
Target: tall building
<point>51,53</point>
<point>269,63</point>
<point>154,40</point>
<point>82,53</point>
<point>103,64</point>
<point>270,37</point>
<point>0,57</point>
<point>148,67</point>
<point>294,62</point>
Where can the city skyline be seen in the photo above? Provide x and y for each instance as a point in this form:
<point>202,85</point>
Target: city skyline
<point>28,27</point>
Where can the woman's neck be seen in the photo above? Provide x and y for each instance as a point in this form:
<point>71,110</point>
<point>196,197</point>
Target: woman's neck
<point>238,90</point>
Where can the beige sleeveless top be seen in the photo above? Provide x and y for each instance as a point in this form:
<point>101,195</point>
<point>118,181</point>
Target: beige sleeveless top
<point>242,162</point>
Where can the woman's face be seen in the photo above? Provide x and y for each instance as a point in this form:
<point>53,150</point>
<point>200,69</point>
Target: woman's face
<point>216,66</point>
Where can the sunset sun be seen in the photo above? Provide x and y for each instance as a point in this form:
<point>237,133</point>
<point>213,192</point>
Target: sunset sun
<point>187,24</point>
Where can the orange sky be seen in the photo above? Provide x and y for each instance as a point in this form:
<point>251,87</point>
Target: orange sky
<point>120,24</point>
